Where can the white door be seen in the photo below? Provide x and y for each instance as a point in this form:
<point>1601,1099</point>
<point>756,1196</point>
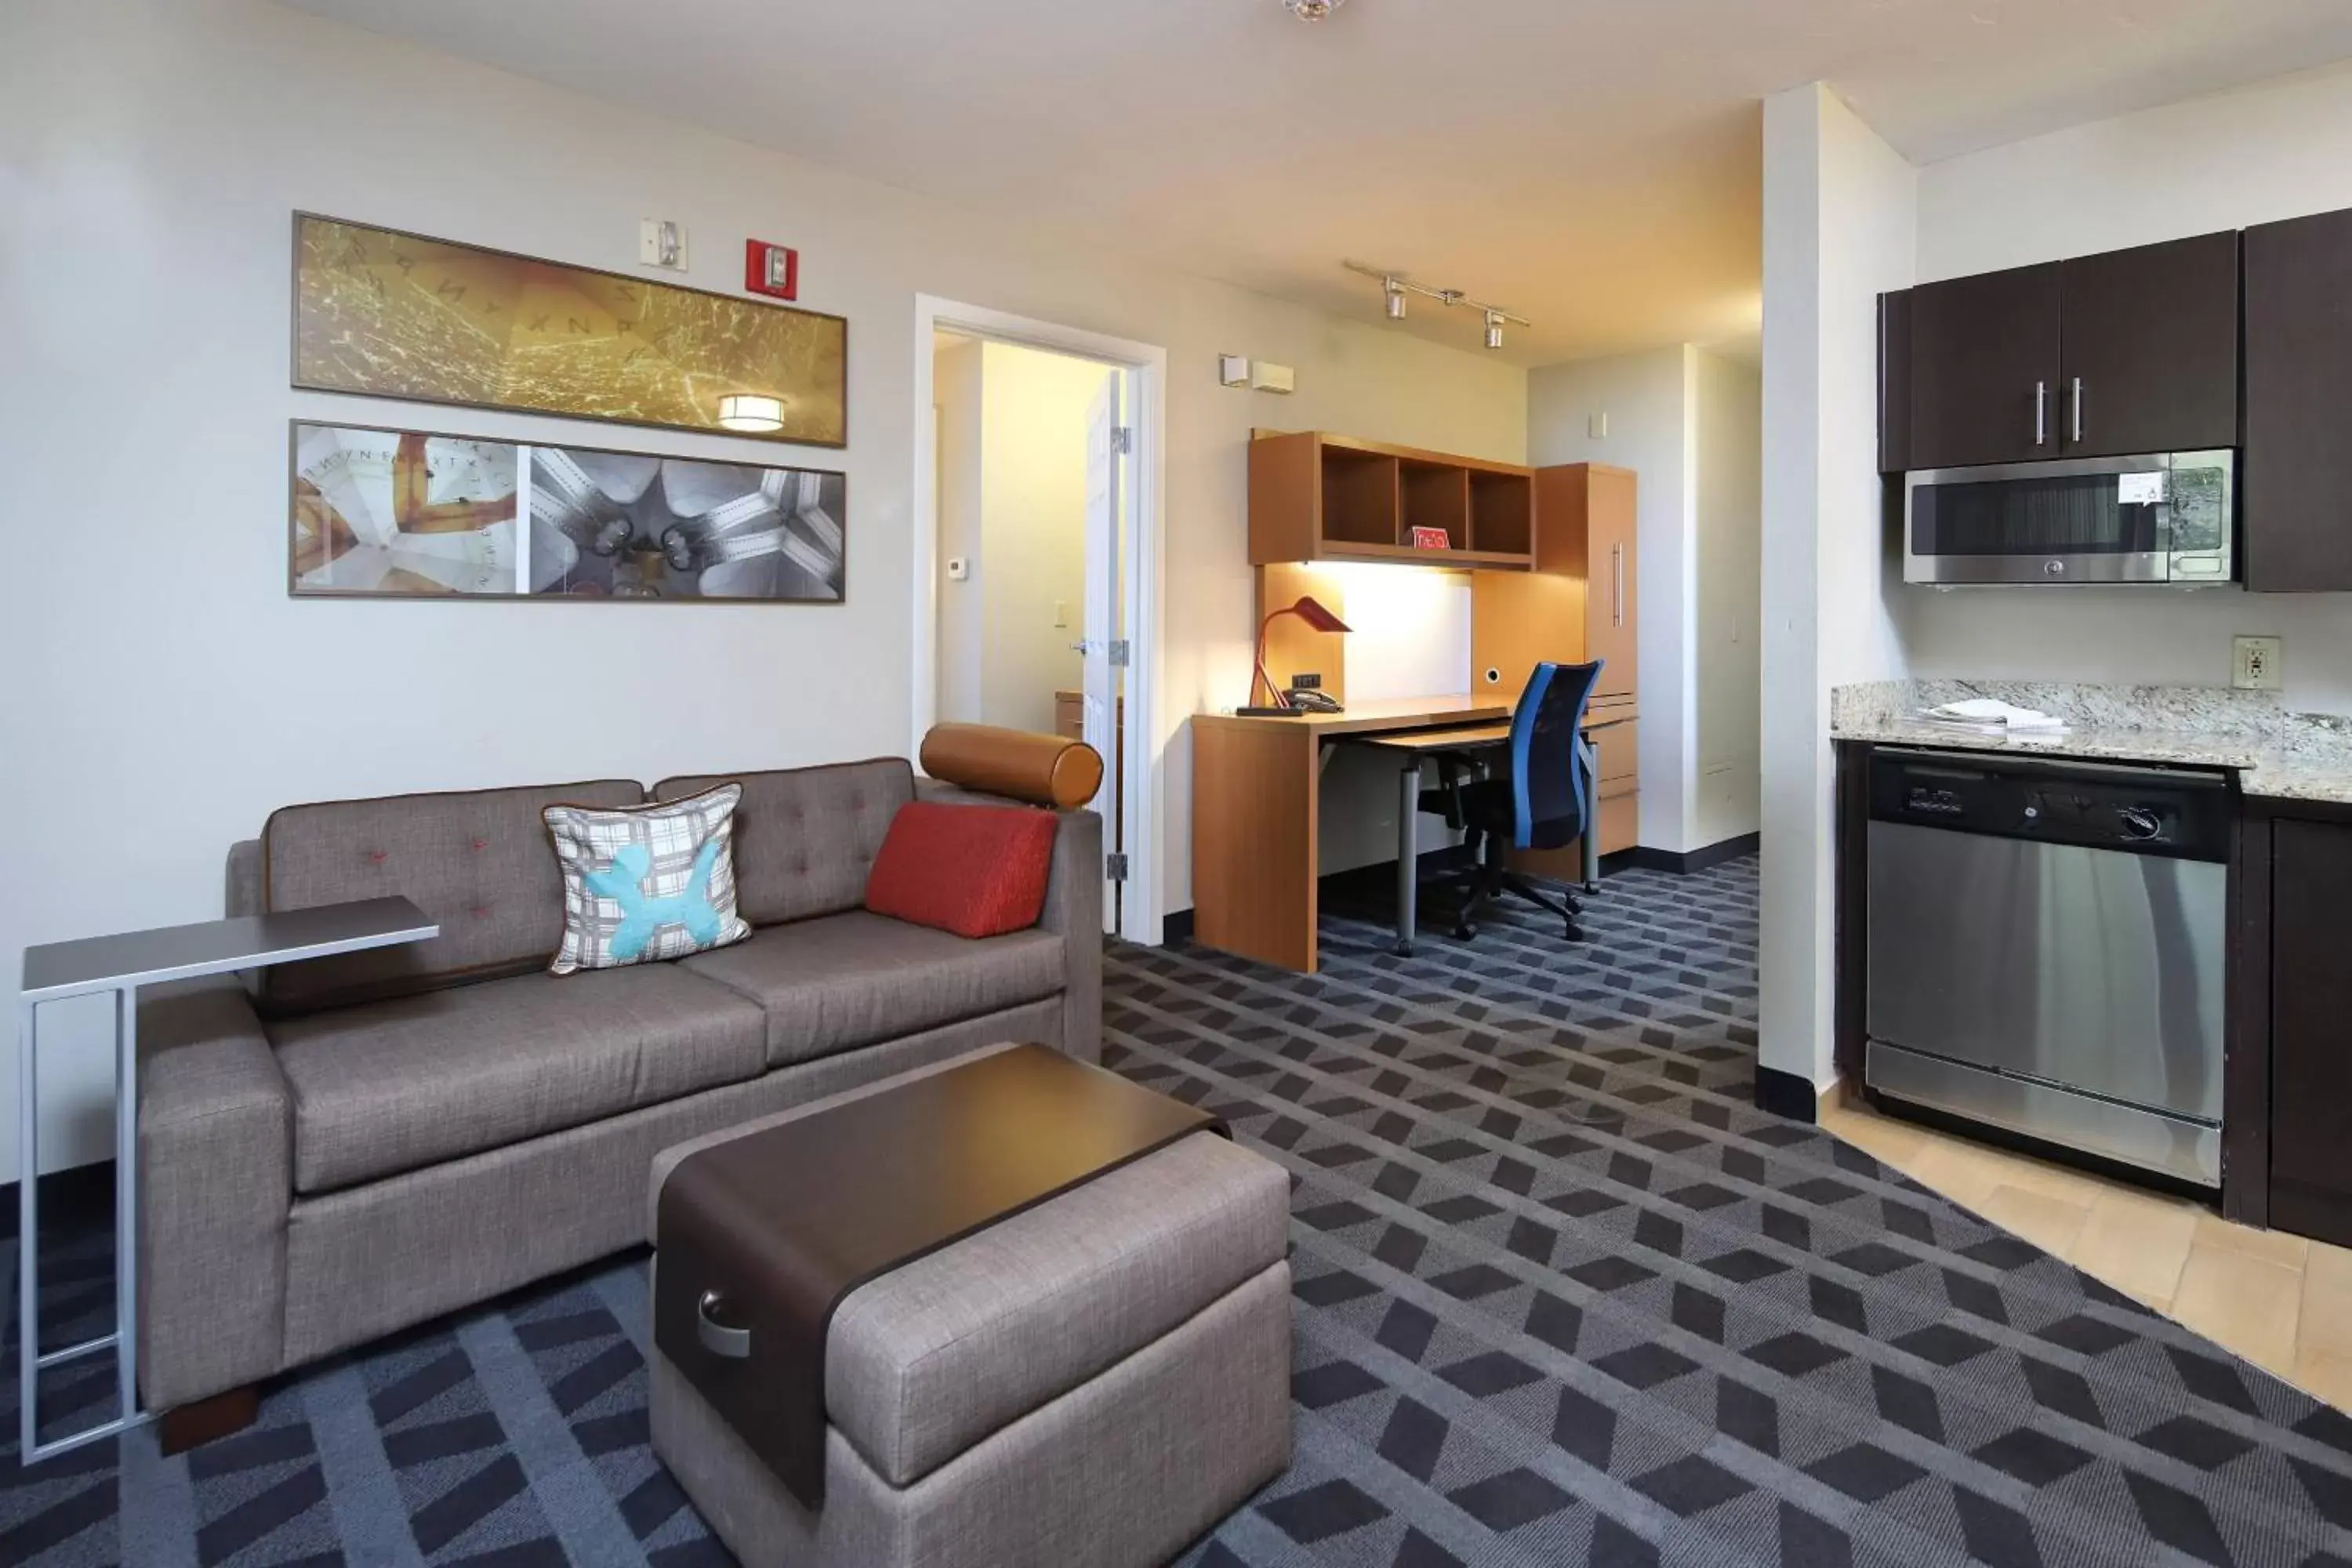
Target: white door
<point>1105,682</point>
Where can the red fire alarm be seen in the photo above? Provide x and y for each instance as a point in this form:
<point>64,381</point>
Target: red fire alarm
<point>771,269</point>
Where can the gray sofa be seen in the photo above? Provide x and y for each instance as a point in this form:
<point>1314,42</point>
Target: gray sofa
<point>366,1142</point>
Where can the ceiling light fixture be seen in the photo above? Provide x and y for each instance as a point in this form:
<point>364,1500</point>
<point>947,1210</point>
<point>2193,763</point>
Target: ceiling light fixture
<point>1396,286</point>
<point>1312,10</point>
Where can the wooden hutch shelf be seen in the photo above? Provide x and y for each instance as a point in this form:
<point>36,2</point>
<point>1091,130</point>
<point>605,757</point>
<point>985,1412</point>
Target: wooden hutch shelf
<point>1318,497</point>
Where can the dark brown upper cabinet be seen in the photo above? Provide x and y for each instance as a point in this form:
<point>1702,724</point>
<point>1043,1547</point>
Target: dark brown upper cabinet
<point>1984,369</point>
<point>2133,350</point>
<point>2296,481</point>
<point>2150,345</point>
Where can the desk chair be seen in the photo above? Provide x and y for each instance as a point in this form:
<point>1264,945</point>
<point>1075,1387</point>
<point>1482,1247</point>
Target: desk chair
<point>1538,804</point>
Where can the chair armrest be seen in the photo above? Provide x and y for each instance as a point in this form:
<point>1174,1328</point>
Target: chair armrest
<point>216,1185</point>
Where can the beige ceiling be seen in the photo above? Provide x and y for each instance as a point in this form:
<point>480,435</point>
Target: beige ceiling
<point>1590,163</point>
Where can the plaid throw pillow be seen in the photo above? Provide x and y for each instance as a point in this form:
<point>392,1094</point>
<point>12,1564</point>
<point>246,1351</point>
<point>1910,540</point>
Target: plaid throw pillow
<point>648,882</point>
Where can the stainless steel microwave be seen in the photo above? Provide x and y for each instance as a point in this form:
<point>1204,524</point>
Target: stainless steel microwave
<point>2167,519</point>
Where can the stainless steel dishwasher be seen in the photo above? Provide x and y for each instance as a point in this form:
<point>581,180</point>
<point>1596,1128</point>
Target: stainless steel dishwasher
<point>2047,951</point>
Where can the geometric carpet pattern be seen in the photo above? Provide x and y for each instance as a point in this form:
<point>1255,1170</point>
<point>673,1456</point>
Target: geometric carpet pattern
<point>1563,1296</point>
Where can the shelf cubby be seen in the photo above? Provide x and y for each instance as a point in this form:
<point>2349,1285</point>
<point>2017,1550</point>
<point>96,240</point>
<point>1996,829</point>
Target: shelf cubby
<point>1318,497</point>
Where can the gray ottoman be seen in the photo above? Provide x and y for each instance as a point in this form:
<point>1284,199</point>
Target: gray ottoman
<point>1096,1382</point>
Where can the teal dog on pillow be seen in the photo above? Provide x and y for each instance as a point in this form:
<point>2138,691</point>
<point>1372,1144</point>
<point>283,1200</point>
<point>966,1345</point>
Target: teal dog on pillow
<point>614,857</point>
<point>623,882</point>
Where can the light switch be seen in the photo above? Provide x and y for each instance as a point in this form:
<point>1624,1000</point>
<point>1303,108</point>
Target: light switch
<point>1061,612</point>
<point>1596,425</point>
<point>661,243</point>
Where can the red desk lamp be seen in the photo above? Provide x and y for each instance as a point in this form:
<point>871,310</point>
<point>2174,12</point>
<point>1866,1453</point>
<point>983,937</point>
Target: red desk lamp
<point>1315,616</point>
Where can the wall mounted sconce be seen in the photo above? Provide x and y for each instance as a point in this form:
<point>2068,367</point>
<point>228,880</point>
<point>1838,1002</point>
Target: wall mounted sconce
<point>751,413</point>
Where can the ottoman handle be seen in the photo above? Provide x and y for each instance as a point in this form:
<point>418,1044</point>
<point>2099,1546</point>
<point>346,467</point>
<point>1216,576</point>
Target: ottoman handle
<point>735,1344</point>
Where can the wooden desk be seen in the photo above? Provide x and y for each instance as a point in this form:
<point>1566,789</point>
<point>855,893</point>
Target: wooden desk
<point>1258,814</point>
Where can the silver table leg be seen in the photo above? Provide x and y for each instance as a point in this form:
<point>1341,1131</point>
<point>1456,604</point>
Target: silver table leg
<point>123,1340</point>
<point>1407,854</point>
<point>1592,855</point>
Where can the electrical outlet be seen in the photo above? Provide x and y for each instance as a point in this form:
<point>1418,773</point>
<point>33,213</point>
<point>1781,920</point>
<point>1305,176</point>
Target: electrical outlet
<point>2257,664</point>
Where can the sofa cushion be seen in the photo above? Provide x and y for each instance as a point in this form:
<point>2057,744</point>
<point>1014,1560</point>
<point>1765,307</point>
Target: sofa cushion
<point>394,1085</point>
<point>850,979</point>
<point>971,870</point>
<point>807,837</point>
<point>477,863</point>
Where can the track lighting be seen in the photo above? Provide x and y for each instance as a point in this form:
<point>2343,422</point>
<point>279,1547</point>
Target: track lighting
<point>1396,286</point>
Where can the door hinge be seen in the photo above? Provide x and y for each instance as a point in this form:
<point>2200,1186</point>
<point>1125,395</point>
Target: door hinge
<point>1118,653</point>
<point>1114,867</point>
<point>1122,440</point>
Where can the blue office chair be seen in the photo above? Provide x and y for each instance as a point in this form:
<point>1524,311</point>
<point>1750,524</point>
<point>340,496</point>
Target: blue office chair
<point>1538,804</point>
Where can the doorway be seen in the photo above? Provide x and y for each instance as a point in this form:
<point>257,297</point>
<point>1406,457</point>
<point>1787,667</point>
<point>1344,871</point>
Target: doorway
<point>1037,558</point>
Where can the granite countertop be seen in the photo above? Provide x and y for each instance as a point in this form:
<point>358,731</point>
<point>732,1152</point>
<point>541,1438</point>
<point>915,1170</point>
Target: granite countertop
<point>2278,755</point>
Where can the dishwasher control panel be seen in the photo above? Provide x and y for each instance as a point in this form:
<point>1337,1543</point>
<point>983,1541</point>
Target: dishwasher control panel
<point>2180,814</point>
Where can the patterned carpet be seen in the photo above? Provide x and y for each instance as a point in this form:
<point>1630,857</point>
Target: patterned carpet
<point>1563,1296</point>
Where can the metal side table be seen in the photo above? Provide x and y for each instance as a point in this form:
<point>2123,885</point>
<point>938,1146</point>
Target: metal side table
<point>120,965</point>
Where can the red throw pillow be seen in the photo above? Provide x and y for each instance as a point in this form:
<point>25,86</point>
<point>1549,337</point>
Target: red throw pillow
<point>975,870</point>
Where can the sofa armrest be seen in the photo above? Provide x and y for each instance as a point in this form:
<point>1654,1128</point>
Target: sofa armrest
<point>1074,911</point>
<point>216,1185</point>
<point>242,894</point>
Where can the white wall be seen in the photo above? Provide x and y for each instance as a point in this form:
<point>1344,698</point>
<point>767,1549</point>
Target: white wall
<point>165,694</point>
<point>1839,219</point>
<point>955,390</point>
<point>2276,149</point>
<point>1725,800</point>
<point>1032,559</point>
<point>1686,422</point>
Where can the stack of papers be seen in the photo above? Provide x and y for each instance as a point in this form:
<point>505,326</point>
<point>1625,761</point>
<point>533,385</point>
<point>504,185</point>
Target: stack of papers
<point>1986,716</point>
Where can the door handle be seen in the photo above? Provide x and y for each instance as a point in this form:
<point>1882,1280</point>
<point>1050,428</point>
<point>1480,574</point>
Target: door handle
<point>1617,585</point>
<point>1079,647</point>
<point>2078,408</point>
<point>718,1338</point>
<point>2041,412</point>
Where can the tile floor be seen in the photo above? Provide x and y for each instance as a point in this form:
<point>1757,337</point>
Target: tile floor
<point>2281,1301</point>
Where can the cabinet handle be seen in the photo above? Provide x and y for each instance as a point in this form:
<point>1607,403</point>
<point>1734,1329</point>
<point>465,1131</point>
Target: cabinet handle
<point>2041,412</point>
<point>1617,585</point>
<point>2078,408</point>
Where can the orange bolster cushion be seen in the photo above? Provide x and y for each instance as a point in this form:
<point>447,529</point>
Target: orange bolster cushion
<point>1044,770</point>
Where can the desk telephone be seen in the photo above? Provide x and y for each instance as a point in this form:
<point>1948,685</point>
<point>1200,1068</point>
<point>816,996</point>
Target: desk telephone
<point>1313,699</point>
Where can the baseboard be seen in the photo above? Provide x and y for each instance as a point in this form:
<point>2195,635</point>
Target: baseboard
<point>82,1190</point>
<point>1786,1094</point>
<point>1683,862</point>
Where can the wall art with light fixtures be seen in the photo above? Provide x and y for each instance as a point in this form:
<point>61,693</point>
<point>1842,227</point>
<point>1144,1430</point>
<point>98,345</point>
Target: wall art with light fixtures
<point>413,513</point>
<point>391,314</point>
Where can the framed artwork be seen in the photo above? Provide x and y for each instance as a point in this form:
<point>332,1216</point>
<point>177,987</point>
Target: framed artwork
<point>390,314</point>
<point>382,513</point>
